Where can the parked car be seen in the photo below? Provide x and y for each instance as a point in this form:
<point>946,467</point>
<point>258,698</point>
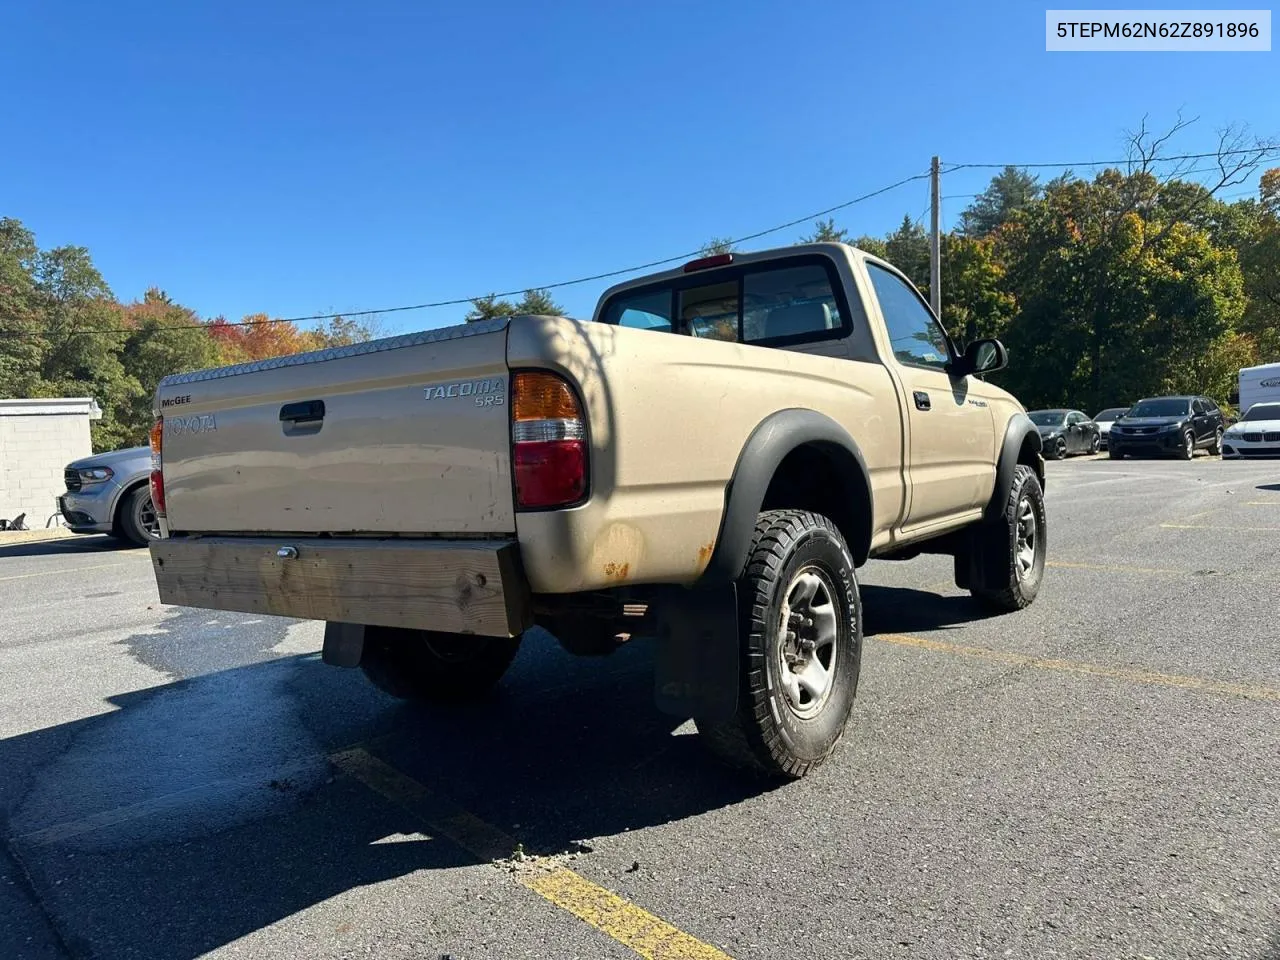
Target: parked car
<point>109,493</point>
<point>1164,426</point>
<point>1256,435</point>
<point>1064,432</point>
<point>1105,419</point>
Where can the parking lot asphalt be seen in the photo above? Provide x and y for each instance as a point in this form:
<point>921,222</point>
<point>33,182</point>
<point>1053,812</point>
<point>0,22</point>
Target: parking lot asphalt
<point>1096,776</point>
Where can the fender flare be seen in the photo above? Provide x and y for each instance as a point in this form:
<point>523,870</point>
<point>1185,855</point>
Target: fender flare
<point>770,442</point>
<point>1017,432</point>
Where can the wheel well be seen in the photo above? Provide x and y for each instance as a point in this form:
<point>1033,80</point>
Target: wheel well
<point>122,499</point>
<point>825,479</point>
<point>1030,455</point>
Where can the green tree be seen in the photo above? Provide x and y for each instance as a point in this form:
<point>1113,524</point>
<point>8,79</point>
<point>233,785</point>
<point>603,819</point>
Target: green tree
<point>1010,190</point>
<point>1258,247</point>
<point>872,245</point>
<point>826,231</point>
<point>82,340</point>
<point>975,302</point>
<point>717,245</point>
<point>165,338</point>
<point>1118,294</point>
<point>22,342</point>
<point>534,302</point>
<point>907,248</point>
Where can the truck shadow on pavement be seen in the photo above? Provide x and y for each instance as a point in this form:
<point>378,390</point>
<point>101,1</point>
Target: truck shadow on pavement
<point>66,546</point>
<point>192,814</point>
<point>195,813</point>
<point>904,610</point>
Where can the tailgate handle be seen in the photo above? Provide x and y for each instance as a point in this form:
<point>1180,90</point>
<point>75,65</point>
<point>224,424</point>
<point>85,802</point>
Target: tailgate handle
<point>308,411</point>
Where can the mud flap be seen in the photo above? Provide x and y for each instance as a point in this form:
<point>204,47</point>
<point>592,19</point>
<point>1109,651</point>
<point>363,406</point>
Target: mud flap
<point>343,644</point>
<point>697,668</point>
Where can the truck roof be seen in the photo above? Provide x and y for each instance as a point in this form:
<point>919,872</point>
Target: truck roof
<point>836,251</point>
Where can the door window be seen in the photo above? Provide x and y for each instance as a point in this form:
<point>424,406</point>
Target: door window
<point>915,337</point>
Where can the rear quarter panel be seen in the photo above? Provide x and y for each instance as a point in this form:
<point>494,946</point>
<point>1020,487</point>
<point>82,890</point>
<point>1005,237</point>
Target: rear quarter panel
<point>668,417</point>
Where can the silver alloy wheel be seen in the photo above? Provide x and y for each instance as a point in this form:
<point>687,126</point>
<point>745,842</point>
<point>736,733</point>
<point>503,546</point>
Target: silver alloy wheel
<point>148,522</point>
<point>1190,439</point>
<point>1028,531</point>
<point>808,632</point>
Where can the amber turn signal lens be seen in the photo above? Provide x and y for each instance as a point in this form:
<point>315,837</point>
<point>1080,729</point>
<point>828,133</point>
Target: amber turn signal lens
<point>543,396</point>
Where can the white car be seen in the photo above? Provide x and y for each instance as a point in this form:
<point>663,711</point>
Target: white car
<point>1255,435</point>
<point>1105,419</point>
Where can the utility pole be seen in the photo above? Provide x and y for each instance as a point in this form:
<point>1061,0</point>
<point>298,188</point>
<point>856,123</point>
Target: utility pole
<point>935,239</point>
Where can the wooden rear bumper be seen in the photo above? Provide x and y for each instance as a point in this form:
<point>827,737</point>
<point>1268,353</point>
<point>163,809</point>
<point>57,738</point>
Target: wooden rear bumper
<point>474,587</point>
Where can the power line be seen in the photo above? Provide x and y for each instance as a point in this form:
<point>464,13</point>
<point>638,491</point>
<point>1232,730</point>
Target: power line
<point>546,286</point>
<point>1262,151</point>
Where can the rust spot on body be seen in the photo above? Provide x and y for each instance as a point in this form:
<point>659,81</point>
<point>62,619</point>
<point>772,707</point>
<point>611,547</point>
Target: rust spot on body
<point>704,554</point>
<point>617,571</point>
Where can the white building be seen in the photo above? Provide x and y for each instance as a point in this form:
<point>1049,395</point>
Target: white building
<point>37,439</point>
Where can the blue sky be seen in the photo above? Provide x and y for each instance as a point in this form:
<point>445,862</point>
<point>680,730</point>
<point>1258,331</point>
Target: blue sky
<point>304,157</point>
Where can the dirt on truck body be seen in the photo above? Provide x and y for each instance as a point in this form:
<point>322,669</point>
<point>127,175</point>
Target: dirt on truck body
<point>705,463</point>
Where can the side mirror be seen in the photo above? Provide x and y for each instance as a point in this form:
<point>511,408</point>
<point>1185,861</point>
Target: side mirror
<point>982,356</point>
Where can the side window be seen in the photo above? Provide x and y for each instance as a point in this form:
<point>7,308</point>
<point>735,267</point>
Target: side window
<point>646,311</point>
<point>793,302</point>
<point>1198,407</point>
<point>1074,417</point>
<point>915,337</point>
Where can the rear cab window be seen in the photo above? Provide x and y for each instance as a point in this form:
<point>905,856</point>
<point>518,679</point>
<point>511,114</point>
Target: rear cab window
<point>776,303</point>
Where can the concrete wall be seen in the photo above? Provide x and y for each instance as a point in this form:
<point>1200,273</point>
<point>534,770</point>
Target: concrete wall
<point>37,439</point>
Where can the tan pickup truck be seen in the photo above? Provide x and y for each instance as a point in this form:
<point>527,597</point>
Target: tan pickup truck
<point>705,464</point>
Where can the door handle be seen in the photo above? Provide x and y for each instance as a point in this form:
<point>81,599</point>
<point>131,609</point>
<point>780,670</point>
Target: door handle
<point>922,400</point>
<point>308,411</point>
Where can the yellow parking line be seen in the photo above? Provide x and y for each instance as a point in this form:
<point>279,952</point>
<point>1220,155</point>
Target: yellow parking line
<point>1218,526</point>
<point>1111,568</point>
<point>623,921</point>
<point>50,573</point>
<point>1247,691</point>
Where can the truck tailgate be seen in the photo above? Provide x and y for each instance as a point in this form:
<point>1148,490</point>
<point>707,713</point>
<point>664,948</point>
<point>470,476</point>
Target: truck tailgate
<point>404,435</point>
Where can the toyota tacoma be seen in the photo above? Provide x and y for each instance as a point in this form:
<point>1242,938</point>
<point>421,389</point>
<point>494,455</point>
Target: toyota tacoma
<point>705,464</point>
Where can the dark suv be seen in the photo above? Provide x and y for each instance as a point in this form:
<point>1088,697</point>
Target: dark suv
<point>1168,425</point>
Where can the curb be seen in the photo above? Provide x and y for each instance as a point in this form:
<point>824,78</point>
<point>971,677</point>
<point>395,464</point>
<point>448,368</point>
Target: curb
<point>27,536</point>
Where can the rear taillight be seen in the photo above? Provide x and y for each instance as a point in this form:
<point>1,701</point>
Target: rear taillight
<point>549,442</point>
<point>157,467</point>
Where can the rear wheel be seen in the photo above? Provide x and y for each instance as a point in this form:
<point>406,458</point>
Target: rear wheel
<point>1216,449</point>
<point>440,667</point>
<point>137,521</point>
<point>1007,555</point>
<point>801,648</point>
<point>1059,451</point>
<point>1188,448</point>
<point>1095,444</point>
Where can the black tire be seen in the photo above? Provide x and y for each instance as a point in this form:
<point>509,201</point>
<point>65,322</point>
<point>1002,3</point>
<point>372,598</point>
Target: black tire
<point>771,733</point>
<point>1060,449</point>
<point>1002,579</point>
<point>1188,449</point>
<point>136,517</point>
<point>1216,449</point>
<point>1113,453</point>
<point>1095,444</point>
<point>438,667</point>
